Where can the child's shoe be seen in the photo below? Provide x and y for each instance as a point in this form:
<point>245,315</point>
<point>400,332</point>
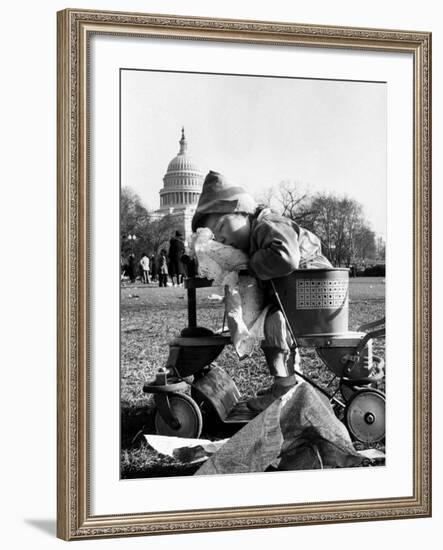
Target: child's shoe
<point>262,402</point>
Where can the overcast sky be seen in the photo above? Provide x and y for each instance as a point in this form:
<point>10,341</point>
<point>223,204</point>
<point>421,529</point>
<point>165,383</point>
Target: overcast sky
<point>258,131</point>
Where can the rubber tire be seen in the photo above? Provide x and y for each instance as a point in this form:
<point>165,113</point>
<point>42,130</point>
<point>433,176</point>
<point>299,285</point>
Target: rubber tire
<point>348,422</point>
<point>187,412</point>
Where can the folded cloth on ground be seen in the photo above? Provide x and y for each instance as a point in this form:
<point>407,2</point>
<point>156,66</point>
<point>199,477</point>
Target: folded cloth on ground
<point>244,301</point>
<point>299,431</point>
<point>184,449</point>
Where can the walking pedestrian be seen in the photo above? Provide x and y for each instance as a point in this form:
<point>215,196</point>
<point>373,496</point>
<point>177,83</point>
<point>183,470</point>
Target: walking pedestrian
<point>132,268</point>
<point>163,269</point>
<point>153,267</point>
<point>144,263</point>
<point>176,251</point>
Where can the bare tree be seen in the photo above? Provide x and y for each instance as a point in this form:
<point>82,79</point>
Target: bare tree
<point>288,198</point>
<point>340,224</point>
<point>338,221</point>
<point>134,218</point>
<point>160,231</point>
<point>323,222</point>
<point>151,233</point>
<point>365,244</point>
<point>293,200</point>
<point>132,211</point>
<point>380,248</point>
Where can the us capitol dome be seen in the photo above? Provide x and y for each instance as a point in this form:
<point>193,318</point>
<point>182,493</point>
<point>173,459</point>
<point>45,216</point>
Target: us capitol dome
<point>181,190</point>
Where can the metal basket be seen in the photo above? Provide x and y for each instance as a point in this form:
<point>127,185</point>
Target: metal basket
<point>315,300</point>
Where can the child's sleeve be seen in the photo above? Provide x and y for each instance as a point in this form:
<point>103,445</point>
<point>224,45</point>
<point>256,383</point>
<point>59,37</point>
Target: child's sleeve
<point>278,252</point>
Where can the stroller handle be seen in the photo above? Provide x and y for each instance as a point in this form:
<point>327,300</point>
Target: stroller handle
<point>366,326</point>
<point>379,333</point>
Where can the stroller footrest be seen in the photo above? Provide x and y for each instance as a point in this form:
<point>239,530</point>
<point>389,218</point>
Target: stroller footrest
<point>151,387</point>
<point>218,388</point>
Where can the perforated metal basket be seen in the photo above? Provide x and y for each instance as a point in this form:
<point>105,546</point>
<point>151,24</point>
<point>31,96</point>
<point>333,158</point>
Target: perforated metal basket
<point>315,300</point>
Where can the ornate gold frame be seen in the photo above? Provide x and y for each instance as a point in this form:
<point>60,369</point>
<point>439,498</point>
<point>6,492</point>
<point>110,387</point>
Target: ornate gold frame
<point>74,518</point>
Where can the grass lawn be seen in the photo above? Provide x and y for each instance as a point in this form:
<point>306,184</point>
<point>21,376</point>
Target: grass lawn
<point>152,316</point>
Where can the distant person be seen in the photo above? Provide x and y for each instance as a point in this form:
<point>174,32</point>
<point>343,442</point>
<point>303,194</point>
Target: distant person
<point>132,268</point>
<point>153,267</point>
<point>144,263</point>
<point>176,251</point>
<point>163,269</point>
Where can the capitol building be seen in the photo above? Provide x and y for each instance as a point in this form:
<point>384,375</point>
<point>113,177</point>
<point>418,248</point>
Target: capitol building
<point>181,190</point>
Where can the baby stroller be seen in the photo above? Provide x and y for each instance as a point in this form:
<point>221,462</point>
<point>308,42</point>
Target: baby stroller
<point>315,306</point>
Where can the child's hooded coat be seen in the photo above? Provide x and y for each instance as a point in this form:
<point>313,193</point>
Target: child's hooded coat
<point>278,245</point>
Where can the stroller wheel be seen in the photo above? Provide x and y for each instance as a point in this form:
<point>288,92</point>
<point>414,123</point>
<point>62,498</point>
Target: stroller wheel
<point>365,416</point>
<point>186,411</point>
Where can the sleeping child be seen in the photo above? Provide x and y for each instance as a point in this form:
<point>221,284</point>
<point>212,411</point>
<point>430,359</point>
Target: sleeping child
<point>275,246</point>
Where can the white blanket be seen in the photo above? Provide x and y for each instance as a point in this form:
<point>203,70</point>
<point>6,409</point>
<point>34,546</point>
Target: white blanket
<point>244,302</point>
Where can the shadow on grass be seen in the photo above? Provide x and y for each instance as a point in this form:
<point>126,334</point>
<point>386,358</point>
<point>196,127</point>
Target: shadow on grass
<point>139,460</point>
<point>136,419</point>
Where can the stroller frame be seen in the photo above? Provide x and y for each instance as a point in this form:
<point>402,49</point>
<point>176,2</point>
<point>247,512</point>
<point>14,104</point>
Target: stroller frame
<point>347,355</point>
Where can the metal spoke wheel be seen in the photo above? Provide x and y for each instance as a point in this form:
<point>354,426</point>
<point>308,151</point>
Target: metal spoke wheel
<point>365,416</point>
<point>186,411</point>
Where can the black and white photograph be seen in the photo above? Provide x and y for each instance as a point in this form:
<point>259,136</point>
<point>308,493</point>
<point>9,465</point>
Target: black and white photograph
<point>252,273</point>
<point>227,337</point>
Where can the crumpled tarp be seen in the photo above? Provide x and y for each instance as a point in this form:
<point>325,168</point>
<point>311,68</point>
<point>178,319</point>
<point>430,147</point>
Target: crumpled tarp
<point>298,431</point>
